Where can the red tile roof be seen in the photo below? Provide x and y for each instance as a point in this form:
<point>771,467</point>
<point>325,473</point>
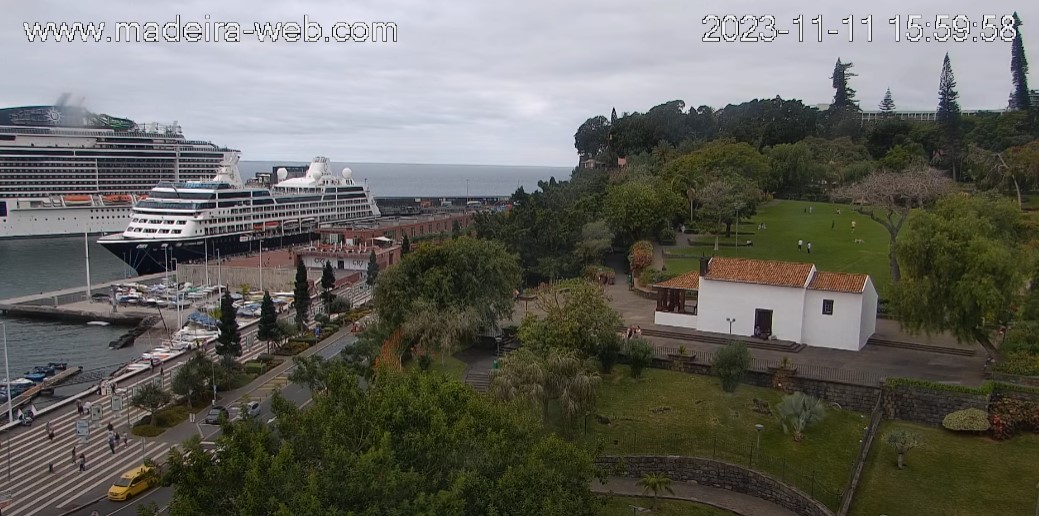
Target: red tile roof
<point>687,281</point>
<point>761,272</point>
<point>838,282</point>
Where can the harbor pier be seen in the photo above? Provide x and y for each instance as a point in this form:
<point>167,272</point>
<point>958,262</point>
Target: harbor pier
<point>74,305</point>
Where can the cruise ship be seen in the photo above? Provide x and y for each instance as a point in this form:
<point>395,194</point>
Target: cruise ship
<point>195,220</point>
<point>65,170</point>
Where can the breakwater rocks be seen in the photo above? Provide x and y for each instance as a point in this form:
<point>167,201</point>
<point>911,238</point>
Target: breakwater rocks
<point>129,337</point>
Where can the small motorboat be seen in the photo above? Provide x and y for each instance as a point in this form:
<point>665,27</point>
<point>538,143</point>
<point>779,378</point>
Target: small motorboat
<point>98,323</point>
<point>35,377</point>
<point>61,366</point>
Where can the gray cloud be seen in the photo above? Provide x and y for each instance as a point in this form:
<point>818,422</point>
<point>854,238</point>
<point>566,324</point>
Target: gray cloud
<point>476,81</point>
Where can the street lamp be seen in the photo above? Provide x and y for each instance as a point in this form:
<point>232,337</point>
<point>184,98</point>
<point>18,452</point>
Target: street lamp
<point>730,320</point>
<point>212,365</point>
<point>759,427</point>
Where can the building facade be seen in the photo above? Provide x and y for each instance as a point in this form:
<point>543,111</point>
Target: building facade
<point>415,227</point>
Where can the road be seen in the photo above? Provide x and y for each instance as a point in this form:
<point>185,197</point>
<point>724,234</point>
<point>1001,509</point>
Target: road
<point>161,496</point>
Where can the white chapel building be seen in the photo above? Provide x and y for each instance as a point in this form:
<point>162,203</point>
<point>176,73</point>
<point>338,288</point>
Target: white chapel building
<point>771,300</point>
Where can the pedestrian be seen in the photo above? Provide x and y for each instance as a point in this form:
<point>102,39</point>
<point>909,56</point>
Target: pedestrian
<point>853,226</point>
<point>838,211</point>
<point>810,210</point>
<point>50,431</point>
<point>110,427</point>
<point>638,332</point>
<point>126,441</point>
<point>162,370</point>
<point>73,453</point>
<point>833,224</point>
<point>809,248</point>
<point>82,462</point>
<point>79,407</point>
<point>86,407</point>
<point>799,244</point>
<point>111,445</point>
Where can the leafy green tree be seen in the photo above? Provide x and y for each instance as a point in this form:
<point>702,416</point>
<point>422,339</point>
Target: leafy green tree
<point>608,351</point>
<point>727,199</point>
<point>903,441</point>
<point>640,208</point>
<point>405,245</point>
<point>552,376</point>
<point>768,122</point>
<point>844,96</point>
<point>888,198</point>
<point>596,241</point>
<point>328,282</point>
<point>716,158</point>
<point>887,105</point>
<point>229,340</point>
<point>591,136</point>
<point>1019,97</point>
<point>793,169</point>
<point>640,355</point>
<point>310,372</point>
<point>654,484</point>
<point>461,273</point>
<point>192,379</point>
<point>964,266</point>
<point>373,270</point>
<point>456,229</point>
<point>577,316</point>
<point>440,331</point>
<point>150,398</point>
<point>405,444</point>
<point>730,363</point>
<point>799,412</point>
<point>301,296</point>
<point>267,329</point>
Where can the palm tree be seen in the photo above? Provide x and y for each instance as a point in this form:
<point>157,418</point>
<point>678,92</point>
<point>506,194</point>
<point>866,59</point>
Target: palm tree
<point>799,411</point>
<point>655,483</point>
<point>903,441</point>
<point>558,375</point>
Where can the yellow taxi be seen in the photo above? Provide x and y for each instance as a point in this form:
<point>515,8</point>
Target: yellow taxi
<point>132,483</point>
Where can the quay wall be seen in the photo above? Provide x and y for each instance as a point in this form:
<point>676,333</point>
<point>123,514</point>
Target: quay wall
<point>66,314</point>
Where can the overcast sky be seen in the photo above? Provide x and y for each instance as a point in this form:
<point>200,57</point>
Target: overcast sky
<point>478,81</point>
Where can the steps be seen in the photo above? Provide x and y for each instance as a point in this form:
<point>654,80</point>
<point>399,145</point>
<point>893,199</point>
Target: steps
<point>769,345</point>
<point>479,381</point>
<point>928,348</point>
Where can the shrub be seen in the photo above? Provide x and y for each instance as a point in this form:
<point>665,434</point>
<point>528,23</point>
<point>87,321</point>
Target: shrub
<point>640,355</point>
<point>339,305</point>
<point>667,236</point>
<point>1010,416</point>
<point>903,441</point>
<point>607,352</point>
<point>967,420</point>
<point>424,361</point>
<point>1019,362</point>
<point>730,363</point>
<point>799,411</point>
<point>652,276</point>
<point>321,319</point>
<point>266,359</point>
<point>254,368</point>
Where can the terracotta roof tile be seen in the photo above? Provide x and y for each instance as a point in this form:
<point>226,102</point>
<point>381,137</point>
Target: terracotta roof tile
<point>687,281</point>
<point>762,272</point>
<point>838,282</point>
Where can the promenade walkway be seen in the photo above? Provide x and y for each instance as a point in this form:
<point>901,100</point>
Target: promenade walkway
<point>738,503</point>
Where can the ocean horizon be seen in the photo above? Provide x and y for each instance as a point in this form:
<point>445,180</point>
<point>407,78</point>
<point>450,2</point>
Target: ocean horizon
<point>431,180</point>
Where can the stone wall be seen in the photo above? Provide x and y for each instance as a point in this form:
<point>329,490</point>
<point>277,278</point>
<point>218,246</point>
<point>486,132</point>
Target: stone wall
<point>927,406</point>
<point>274,279</point>
<point>718,474</point>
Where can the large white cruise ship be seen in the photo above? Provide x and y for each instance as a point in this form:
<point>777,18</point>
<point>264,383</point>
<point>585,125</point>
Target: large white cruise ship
<point>65,170</point>
<point>192,220</point>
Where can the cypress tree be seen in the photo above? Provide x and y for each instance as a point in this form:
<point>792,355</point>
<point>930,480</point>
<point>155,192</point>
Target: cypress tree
<point>301,295</point>
<point>405,245</point>
<point>328,282</point>
<point>229,341</point>
<point>373,269</point>
<point>1019,98</point>
<point>268,327</point>
<point>613,115</point>
<point>887,106</point>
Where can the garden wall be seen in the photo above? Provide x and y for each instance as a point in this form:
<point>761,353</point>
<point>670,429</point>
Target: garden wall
<point>921,404</point>
<point>718,474</point>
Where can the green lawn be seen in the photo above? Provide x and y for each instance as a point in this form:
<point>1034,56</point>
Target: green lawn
<point>675,413</point>
<point>952,474</point>
<point>832,249</point>
<point>621,506</point>
<point>450,366</point>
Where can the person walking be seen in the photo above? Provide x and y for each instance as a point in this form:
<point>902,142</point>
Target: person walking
<point>50,431</point>
<point>79,407</point>
<point>111,444</point>
<point>809,248</point>
<point>799,244</point>
<point>86,407</point>
<point>82,462</point>
<point>126,442</point>
<point>73,453</point>
<point>853,226</point>
<point>110,428</point>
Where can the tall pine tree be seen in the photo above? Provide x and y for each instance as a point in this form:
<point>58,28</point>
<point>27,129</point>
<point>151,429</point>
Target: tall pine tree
<point>948,118</point>
<point>405,245</point>
<point>229,341</point>
<point>844,96</point>
<point>373,270</point>
<point>328,282</point>
<point>887,106</point>
<point>301,295</point>
<point>267,330</point>
<point>613,115</point>
<point>1019,98</point>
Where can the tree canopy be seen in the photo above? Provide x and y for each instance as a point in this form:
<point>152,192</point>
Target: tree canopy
<point>409,444</point>
<point>577,316</point>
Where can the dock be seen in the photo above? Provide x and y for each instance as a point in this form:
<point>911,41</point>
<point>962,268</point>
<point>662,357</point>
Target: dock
<point>48,383</point>
<point>73,304</point>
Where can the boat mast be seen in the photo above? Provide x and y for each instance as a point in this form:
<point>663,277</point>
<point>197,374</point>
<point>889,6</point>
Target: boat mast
<point>206,243</point>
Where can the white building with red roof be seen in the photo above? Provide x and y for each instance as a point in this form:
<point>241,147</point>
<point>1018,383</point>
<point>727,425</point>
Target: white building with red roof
<point>772,300</point>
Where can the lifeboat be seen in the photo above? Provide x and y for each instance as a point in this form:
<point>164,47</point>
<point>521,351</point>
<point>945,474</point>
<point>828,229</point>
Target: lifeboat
<point>142,197</point>
<point>272,224</point>
<point>75,200</point>
<point>257,227</point>
<point>118,199</point>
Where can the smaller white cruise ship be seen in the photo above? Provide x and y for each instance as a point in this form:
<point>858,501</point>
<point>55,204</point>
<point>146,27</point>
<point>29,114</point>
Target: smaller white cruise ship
<point>191,220</point>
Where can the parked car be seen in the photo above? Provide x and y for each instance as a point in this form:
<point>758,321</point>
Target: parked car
<point>132,483</point>
<point>252,409</point>
<point>215,414</point>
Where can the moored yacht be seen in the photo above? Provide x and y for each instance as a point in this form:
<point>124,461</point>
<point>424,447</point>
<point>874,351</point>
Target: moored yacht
<point>190,221</point>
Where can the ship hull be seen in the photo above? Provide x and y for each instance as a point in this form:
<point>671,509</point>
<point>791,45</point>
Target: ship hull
<point>152,256</point>
<point>20,222</point>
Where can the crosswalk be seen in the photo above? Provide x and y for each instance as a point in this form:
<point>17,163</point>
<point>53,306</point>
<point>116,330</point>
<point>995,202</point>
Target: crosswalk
<point>30,455</point>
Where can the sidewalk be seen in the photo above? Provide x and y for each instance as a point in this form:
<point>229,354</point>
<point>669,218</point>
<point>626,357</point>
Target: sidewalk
<point>738,503</point>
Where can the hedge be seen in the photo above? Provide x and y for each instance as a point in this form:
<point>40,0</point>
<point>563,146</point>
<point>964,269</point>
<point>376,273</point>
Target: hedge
<point>985,389</point>
<point>967,420</point>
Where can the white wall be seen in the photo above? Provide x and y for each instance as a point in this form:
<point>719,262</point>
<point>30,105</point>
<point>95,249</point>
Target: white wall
<point>678,320</point>
<point>868,324</point>
<point>719,300</point>
<point>837,331</point>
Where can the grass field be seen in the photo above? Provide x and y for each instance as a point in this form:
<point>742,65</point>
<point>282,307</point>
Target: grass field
<point>951,475</point>
<point>675,413</point>
<point>622,506</point>
<point>786,221</point>
<point>449,366</point>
